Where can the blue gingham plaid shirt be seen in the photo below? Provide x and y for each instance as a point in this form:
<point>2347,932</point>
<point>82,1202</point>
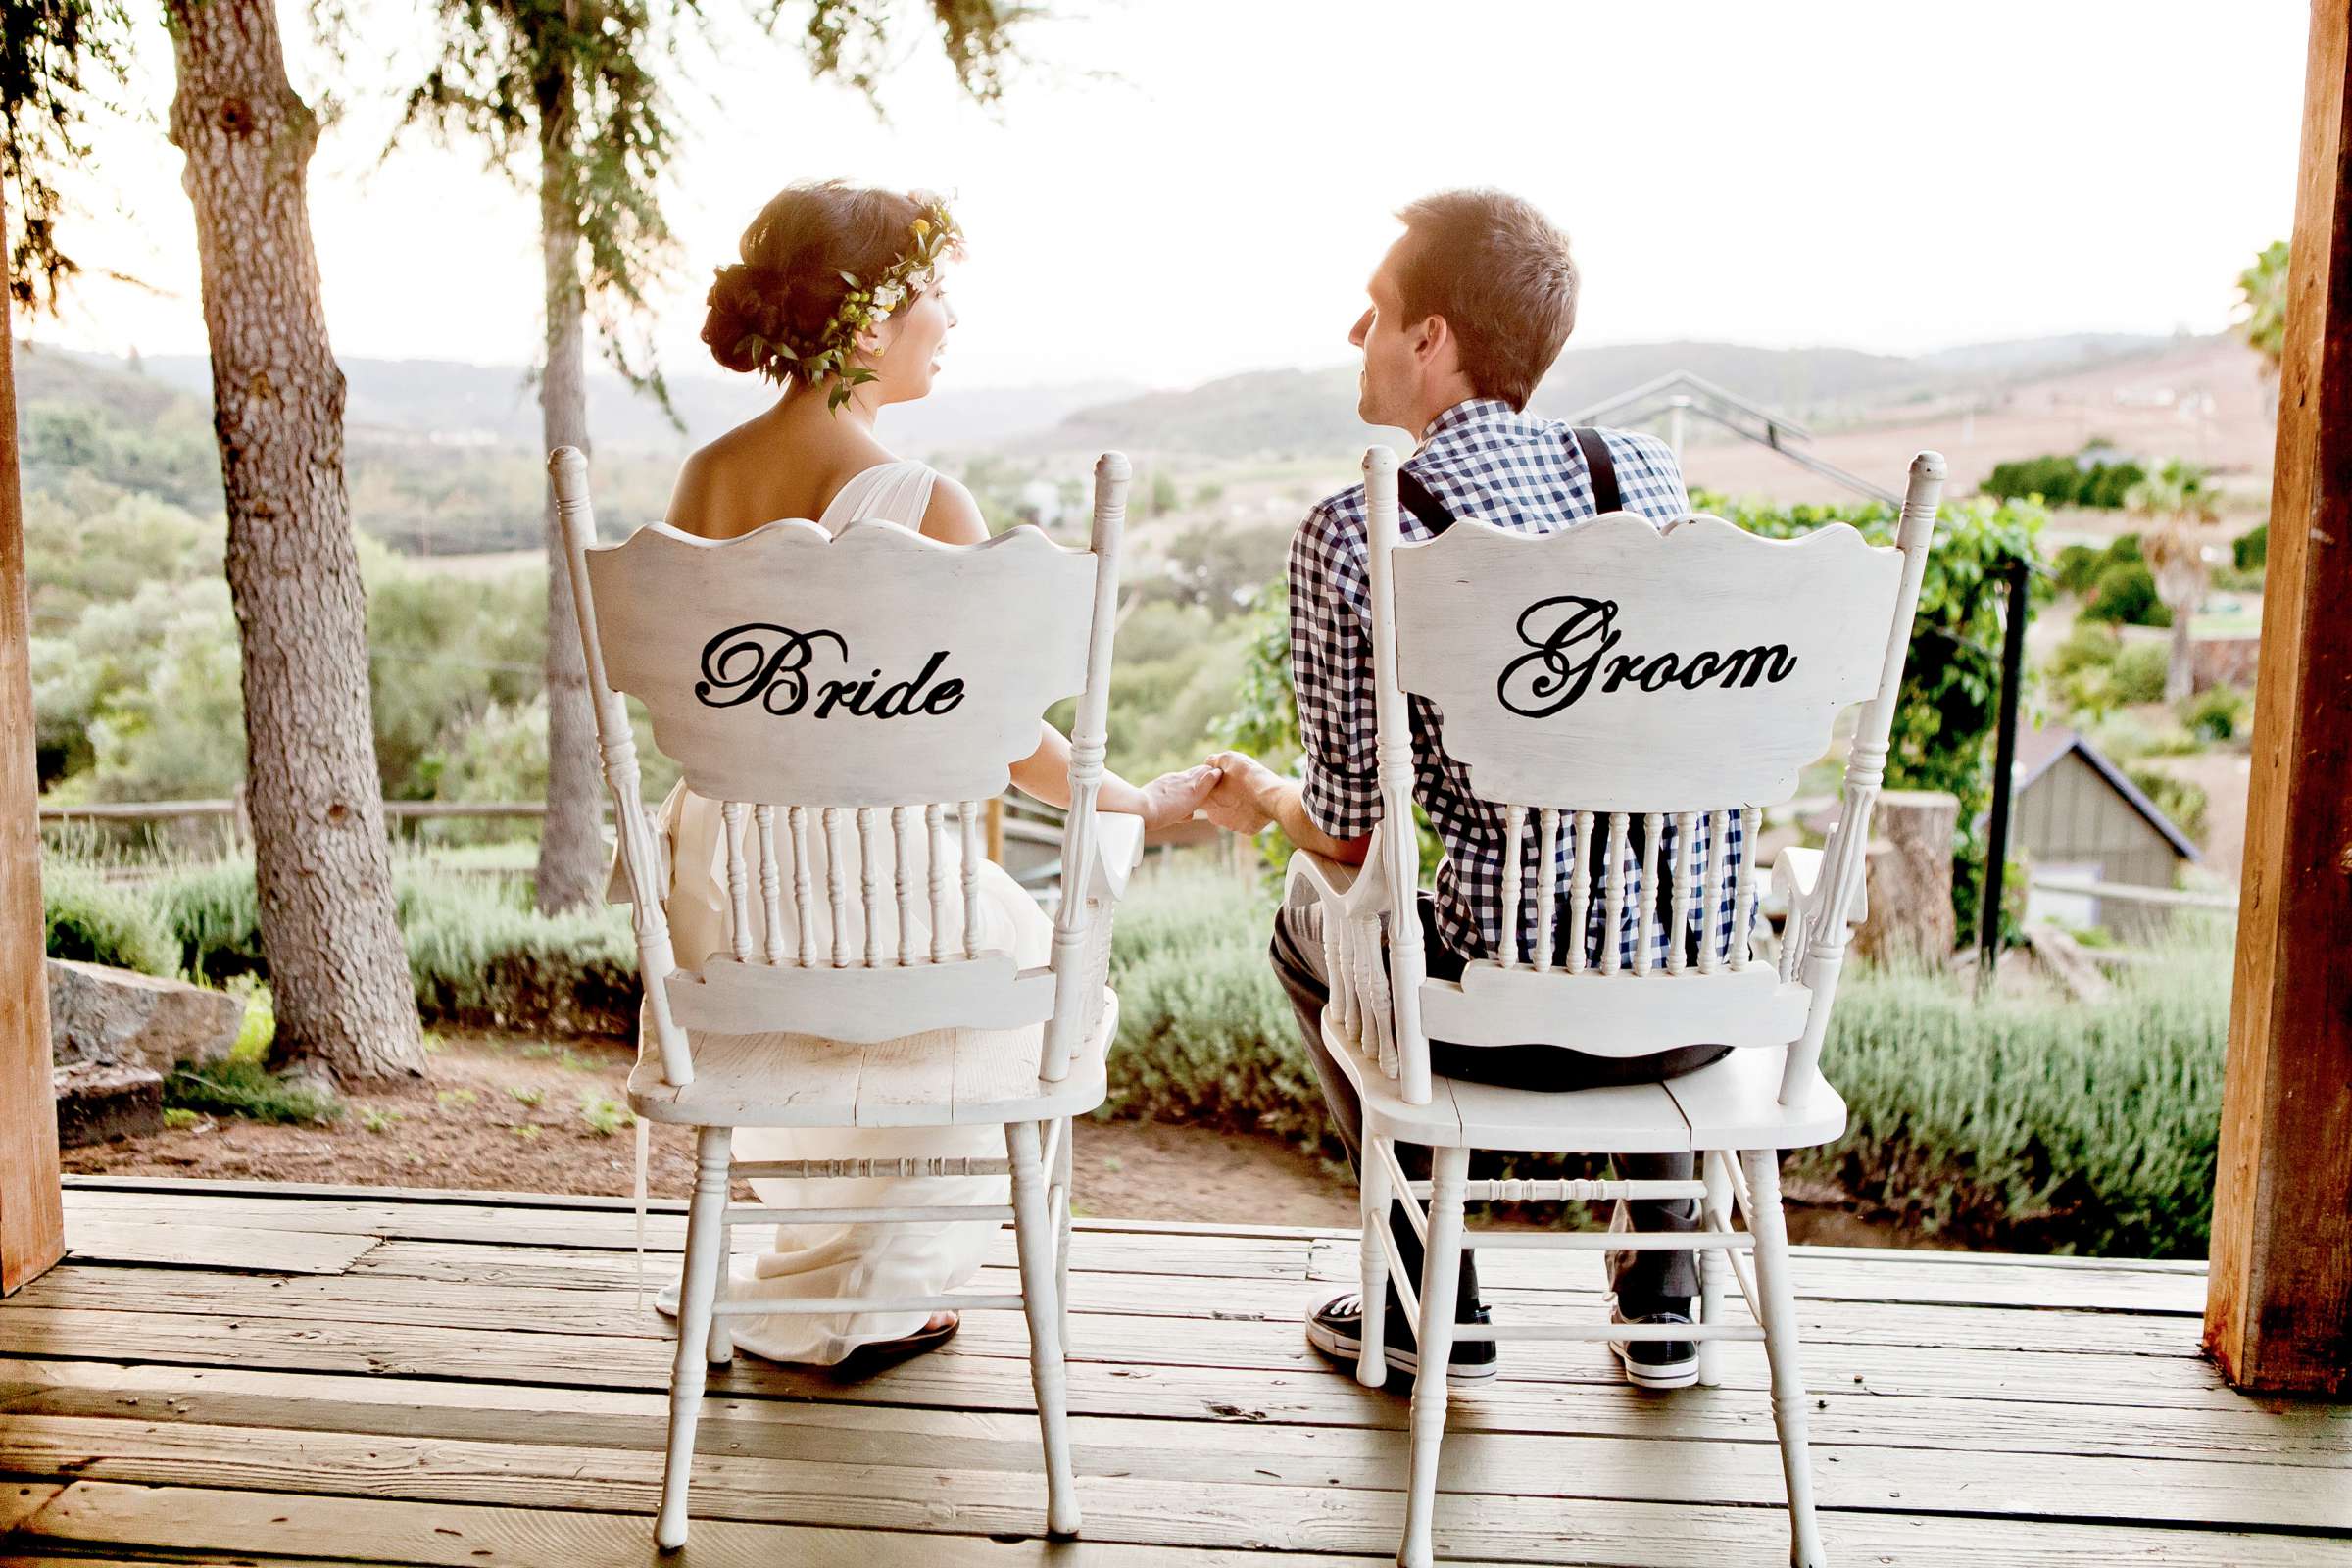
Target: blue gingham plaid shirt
<point>1513,470</point>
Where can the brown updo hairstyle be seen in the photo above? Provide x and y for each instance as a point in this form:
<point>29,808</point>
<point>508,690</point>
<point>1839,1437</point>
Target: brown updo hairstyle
<point>788,284</point>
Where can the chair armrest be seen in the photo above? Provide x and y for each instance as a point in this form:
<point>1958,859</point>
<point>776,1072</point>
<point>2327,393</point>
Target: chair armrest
<point>1346,889</point>
<point>1119,851</point>
<point>1796,878</point>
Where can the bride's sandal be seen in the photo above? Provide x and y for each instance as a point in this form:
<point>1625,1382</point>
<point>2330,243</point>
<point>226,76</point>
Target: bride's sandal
<point>880,1355</point>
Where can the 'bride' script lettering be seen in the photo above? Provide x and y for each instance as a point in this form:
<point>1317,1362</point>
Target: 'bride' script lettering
<point>770,664</point>
<point>1572,641</point>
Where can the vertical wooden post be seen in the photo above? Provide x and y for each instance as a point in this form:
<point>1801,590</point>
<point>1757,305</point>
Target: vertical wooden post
<point>32,1227</point>
<point>2280,1313</point>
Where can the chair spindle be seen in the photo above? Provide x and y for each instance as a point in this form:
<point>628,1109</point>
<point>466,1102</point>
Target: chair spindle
<point>739,889</point>
<point>903,869</point>
<point>969,814</point>
<point>1515,824</point>
<point>1743,898</point>
<point>1686,889</point>
<point>803,903</point>
<point>1612,926</point>
<point>935,835</point>
<point>870,876</point>
<point>834,876</point>
<point>772,884</point>
<point>1580,891</point>
<point>1647,898</point>
<point>1548,895</point>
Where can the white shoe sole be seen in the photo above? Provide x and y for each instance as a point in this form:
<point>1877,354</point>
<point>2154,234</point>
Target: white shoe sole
<point>1654,1375</point>
<point>1399,1359</point>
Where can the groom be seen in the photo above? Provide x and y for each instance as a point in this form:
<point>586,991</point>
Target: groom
<point>1468,310</point>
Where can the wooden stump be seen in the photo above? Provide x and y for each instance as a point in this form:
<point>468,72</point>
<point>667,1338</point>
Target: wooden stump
<point>1910,891</point>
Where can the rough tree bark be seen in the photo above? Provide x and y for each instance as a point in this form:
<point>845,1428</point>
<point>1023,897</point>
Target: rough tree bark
<point>337,969</point>
<point>570,843</point>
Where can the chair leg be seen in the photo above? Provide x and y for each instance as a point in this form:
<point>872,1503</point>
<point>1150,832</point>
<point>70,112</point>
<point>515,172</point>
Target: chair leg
<point>1440,1278</point>
<point>722,1340</point>
<point>698,1289</point>
<point>1715,1215</point>
<point>1372,1365</point>
<point>1779,1303</point>
<point>1033,1237</point>
<point>1061,1240</point>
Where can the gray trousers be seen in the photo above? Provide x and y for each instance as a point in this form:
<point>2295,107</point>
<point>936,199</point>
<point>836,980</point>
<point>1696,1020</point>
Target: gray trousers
<point>1646,1282</point>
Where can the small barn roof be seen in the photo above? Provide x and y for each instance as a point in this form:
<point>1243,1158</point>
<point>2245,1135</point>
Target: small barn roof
<point>2041,749</point>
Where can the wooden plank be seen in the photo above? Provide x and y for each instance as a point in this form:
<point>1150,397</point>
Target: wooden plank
<point>91,1240</point>
<point>32,1228</point>
<point>1110,1352</point>
<point>1230,1514</point>
<point>2282,1309</point>
<point>201,1519</point>
<point>492,1304</point>
<point>1613,1466</point>
<point>22,1499</point>
<point>2298,1436</point>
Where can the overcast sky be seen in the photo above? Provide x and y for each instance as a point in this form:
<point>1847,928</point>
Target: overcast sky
<point>1182,190</point>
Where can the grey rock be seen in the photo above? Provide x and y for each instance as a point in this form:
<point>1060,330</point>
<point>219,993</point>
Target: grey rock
<point>98,1100</point>
<point>113,1016</point>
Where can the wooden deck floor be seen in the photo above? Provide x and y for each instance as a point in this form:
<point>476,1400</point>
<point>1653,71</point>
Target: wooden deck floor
<point>264,1373</point>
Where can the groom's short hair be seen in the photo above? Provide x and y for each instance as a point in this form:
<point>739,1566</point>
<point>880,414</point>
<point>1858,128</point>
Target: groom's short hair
<point>1499,273</point>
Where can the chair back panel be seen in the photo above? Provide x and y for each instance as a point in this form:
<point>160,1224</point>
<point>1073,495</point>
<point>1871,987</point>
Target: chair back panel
<point>876,668</point>
<point>848,703</point>
<point>1617,668</point>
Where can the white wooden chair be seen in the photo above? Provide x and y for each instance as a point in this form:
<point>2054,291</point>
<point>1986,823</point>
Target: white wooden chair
<point>871,685</point>
<point>1588,677</point>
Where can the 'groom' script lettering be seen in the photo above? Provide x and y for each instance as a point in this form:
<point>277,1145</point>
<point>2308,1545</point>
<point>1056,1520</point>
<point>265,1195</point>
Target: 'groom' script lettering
<point>770,665</point>
<point>1572,641</point>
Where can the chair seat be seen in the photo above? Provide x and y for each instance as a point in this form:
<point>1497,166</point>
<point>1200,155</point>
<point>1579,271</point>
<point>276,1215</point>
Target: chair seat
<point>1731,1105</point>
<point>942,1078</point>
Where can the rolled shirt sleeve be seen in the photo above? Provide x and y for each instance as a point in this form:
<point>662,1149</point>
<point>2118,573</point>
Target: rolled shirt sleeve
<point>1331,672</point>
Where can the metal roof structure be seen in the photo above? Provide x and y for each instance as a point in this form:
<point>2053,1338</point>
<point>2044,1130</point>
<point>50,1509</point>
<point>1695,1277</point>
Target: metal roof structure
<point>1679,393</point>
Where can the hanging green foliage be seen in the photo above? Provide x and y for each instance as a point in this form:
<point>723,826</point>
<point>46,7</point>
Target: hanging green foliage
<point>54,55</point>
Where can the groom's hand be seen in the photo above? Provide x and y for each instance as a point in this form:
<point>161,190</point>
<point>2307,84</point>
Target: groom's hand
<point>1239,803</point>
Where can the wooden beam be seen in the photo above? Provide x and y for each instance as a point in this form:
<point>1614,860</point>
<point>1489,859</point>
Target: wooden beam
<point>32,1232</point>
<point>2280,1313</point>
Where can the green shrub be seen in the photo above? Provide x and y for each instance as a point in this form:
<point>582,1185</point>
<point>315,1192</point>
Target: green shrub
<point>215,916</point>
<point>247,1089</point>
<point>2182,800</point>
<point>2036,1124</point>
<point>2138,671</point>
<point>2063,481</point>
<point>480,955</point>
<point>89,920</point>
<point>1205,1034</point>
<point>2251,551</point>
<point>2078,568</point>
<point>2125,594</point>
<point>2218,712</point>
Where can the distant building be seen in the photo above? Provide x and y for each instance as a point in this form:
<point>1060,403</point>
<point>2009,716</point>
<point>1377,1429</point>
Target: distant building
<point>2077,815</point>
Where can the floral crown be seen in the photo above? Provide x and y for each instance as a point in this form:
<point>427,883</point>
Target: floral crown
<point>933,238</point>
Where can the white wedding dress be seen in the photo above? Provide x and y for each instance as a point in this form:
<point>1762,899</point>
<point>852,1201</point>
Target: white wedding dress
<point>816,1262</point>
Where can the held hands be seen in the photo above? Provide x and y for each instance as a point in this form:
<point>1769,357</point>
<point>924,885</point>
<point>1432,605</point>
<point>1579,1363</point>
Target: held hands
<point>1174,797</point>
<point>1238,803</point>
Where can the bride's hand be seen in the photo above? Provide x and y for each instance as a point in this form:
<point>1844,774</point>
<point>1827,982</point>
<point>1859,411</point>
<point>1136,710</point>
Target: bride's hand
<point>1174,797</point>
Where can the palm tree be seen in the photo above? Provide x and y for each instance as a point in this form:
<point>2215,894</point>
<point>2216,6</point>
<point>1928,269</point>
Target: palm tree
<point>2262,287</point>
<point>2180,510</point>
<point>573,86</point>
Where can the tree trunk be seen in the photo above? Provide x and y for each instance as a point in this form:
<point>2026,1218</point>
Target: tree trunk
<point>2179,669</point>
<point>570,843</point>
<point>337,969</point>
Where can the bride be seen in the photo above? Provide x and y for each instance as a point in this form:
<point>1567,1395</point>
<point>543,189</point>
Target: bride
<point>838,299</point>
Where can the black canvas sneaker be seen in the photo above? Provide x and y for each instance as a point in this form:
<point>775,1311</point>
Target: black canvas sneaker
<point>1337,1329</point>
<point>1655,1363</point>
